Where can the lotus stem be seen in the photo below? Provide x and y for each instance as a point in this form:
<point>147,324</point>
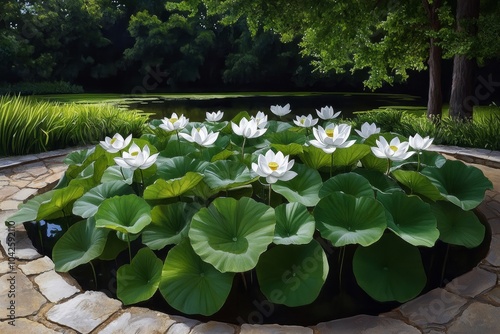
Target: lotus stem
<point>40,235</point>
<point>445,261</point>
<point>129,249</point>
<point>342,256</point>
<point>388,167</point>
<point>244,281</point>
<point>269,196</point>
<point>418,161</point>
<point>93,272</point>
<point>243,149</point>
<point>331,165</point>
<point>178,140</point>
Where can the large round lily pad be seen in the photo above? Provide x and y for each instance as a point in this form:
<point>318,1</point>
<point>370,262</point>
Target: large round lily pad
<point>231,234</point>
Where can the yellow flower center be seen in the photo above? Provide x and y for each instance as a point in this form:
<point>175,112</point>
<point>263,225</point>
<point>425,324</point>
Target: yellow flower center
<point>135,153</point>
<point>393,148</point>
<point>302,121</point>
<point>329,132</point>
<point>113,141</point>
<point>273,165</point>
<point>173,120</point>
<point>198,129</point>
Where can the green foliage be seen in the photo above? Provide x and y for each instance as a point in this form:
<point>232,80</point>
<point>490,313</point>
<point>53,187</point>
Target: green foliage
<point>40,88</point>
<point>191,224</point>
<point>31,126</point>
<point>482,132</point>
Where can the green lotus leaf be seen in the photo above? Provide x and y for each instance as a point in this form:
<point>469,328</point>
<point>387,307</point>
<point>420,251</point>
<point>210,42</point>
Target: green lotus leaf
<point>456,226</point>
<point>81,243</point>
<point>303,188</point>
<point>78,157</point>
<point>288,142</point>
<point>117,173</point>
<point>231,234</point>
<point>315,157</point>
<point>224,174</point>
<point>344,219</point>
<point>222,155</point>
<point>459,183</point>
<point>91,175</point>
<point>379,181</point>
<point>411,219</point>
<point>417,183</point>
<point>348,183</point>
<point>29,211</point>
<point>289,149</point>
<point>139,280</point>
<point>172,188</point>
<point>127,214</point>
<point>391,269</point>
<point>177,149</point>
<point>371,163</point>
<point>114,246</point>
<point>170,223</point>
<point>350,155</point>
<point>191,285</point>
<point>174,168</point>
<point>88,204</point>
<point>293,275</point>
<point>294,224</point>
<point>60,202</point>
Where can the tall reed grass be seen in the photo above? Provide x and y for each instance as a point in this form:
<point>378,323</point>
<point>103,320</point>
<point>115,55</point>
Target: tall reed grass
<point>31,126</point>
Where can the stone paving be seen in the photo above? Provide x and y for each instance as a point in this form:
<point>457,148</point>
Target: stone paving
<point>50,302</point>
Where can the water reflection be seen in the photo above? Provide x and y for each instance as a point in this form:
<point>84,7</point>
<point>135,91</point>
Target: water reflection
<point>195,108</point>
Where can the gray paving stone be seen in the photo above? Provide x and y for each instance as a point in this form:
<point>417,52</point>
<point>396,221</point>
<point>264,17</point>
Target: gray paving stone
<point>7,192</point>
<point>24,249</point>
<point>9,204</point>
<point>493,296</point>
<point>25,301</point>
<point>37,266</point>
<point>274,329</point>
<point>24,194</point>
<point>365,324</point>
<point>477,318</point>
<point>213,327</point>
<point>6,267</point>
<point>139,320</point>
<point>438,306</point>
<point>54,287</point>
<point>24,326</point>
<point>183,325</point>
<point>493,256</point>
<point>84,312</point>
<point>472,283</point>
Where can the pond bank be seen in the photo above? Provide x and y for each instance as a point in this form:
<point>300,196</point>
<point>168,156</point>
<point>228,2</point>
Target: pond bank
<point>49,302</point>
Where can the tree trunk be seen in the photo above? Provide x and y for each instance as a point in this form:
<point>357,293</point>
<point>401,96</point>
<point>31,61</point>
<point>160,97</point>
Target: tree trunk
<point>435,98</point>
<point>435,101</point>
<point>462,91</point>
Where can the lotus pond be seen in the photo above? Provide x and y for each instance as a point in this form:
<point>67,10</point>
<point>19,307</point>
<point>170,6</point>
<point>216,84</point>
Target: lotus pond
<point>262,218</point>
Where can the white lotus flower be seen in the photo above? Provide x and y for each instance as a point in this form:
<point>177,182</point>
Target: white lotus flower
<point>200,136</point>
<point>214,116</point>
<point>367,130</point>
<point>115,144</point>
<point>174,123</point>
<point>136,158</point>
<point>247,128</point>
<point>327,113</point>
<point>281,111</point>
<point>274,167</point>
<point>332,137</point>
<point>305,121</point>
<point>395,150</point>
<point>419,144</point>
<point>261,119</point>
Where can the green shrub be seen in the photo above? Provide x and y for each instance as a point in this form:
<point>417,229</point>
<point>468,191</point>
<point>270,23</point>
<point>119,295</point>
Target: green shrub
<point>40,88</point>
<point>483,132</point>
<point>30,126</point>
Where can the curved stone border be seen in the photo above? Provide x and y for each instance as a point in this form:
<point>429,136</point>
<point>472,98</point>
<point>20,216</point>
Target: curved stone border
<point>50,302</point>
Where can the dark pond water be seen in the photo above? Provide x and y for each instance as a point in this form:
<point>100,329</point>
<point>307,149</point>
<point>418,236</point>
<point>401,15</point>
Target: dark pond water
<point>301,103</point>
